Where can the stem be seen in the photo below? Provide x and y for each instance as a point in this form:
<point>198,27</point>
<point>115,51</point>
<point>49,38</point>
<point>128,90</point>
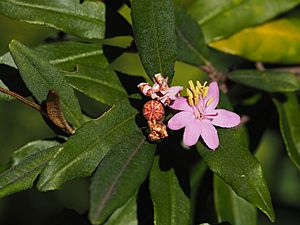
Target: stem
<point>68,129</point>
<point>22,99</point>
<point>216,75</point>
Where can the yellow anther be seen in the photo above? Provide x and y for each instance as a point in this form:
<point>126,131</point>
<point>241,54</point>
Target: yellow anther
<point>196,101</point>
<point>189,93</point>
<point>191,102</point>
<point>199,86</point>
<point>198,91</point>
<point>209,101</point>
<point>191,85</point>
<point>194,92</point>
<point>205,92</point>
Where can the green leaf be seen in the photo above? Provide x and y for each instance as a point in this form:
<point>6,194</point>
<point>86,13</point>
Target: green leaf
<point>3,96</point>
<point>98,83</point>
<point>40,77</point>
<point>289,111</point>
<point>191,47</point>
<point>30,149</point>
<point>171,205</point>
<point>7,59</point>
<point>268,80</point>
<point>154,32</point>
<point>233,162</point>
<point>86,148</point>
<point>221,18</point>
<point>125,215</point>
<point>230,207</point>
<point>22,176</point>
<point>86,20</point>
<point>119,175</point>
<point>263,38</point>
<point>65,55</point>
<point>91,76</point>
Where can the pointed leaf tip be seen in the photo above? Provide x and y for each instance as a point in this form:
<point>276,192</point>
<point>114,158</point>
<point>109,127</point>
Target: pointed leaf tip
<point>233,162</point>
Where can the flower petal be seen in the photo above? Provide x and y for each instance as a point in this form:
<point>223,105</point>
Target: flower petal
<point>172,92</point>
<point>181,120</point>
<point>181,104</point>
<point>209,134</point>
<point>192,133</point>
<point>213,91</point>
<point>225,118</point>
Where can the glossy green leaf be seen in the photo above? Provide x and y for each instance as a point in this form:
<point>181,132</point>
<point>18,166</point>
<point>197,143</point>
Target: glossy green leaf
<point>171,205</point>
<point>125,215</point>
<point>99,83</point>
<point>230,207</point>
<point>85,68</point>
<point>86,148</point>
<point>23,175</point>
<point>119,175</point>
<point>154,32</point>
<point>86,20</point>
<point>221,18</point>
<point>283,33</point>
<point>40,77</point>
<point>30,149</point>
<point>191,47</point>
<point>289,111</point>
<point>268,80</point>
<point>233,162</point>
<point>65,55</point>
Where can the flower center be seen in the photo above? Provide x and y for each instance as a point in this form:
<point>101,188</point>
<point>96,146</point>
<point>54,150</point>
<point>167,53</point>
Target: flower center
<point>197,98</point>
<point>196,92</point>
<point>198,114</point>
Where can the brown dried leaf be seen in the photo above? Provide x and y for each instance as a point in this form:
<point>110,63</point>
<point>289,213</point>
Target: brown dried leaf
<point>55,113</point>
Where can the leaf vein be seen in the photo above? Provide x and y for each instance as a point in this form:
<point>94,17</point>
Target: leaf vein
<point>114,182</point>
<point>89,147</point>
<point>55,10</point>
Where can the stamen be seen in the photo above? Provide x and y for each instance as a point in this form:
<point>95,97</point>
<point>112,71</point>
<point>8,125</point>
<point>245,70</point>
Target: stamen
<point>205,92</point>
<point>191,85</point>
<point>190,97</point>
<point>189,93</point>
<point>199,86</point>
<point>196,100</point>
<point>209,101</point>
<point>191,102</point>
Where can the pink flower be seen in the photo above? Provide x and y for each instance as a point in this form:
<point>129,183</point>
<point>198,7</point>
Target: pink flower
<point>160,90</point>
<point>198,115</point>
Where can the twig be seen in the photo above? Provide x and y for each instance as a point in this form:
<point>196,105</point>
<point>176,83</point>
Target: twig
<point>22,99</point>
<point>53,118</point>
<point>216,75</point>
